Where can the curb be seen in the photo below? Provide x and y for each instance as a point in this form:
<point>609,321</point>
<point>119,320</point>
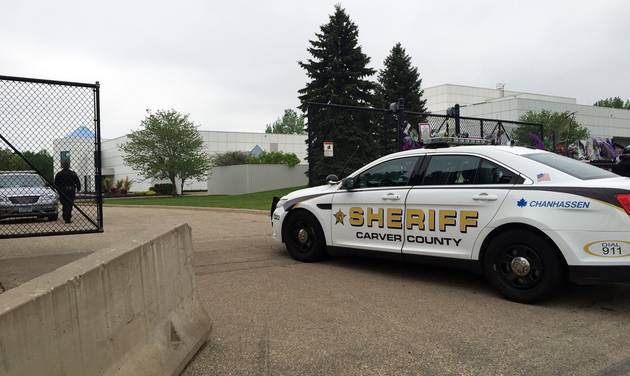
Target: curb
<point>223,210</point>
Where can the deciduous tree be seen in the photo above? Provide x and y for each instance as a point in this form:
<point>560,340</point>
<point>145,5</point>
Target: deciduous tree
<point>615,102</point>
<point>289,123</point>
<point>567,130</point>
<point>167,147</point>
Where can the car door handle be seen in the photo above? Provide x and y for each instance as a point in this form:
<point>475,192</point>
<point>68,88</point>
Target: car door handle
<point>485,197</point>
<point>391,196</point>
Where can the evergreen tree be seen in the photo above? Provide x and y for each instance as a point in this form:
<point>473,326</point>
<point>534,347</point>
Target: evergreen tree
<point>338,72</point>
<point>399,79</point>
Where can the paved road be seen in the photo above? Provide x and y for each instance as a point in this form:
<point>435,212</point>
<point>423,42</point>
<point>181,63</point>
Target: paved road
<point>354,316</point>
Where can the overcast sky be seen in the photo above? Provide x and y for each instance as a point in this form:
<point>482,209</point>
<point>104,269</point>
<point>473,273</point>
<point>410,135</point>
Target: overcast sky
<point>232,65</point>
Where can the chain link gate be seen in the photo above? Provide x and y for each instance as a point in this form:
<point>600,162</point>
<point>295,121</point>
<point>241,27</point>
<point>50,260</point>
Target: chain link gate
<point>45,126</point>
<point>385,131</point>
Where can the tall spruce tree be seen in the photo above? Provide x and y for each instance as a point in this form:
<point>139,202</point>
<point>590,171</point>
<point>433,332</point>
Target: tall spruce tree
<point>399,79</point>
<point>338,72</point>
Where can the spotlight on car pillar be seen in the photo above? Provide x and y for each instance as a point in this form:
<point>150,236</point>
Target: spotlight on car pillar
<point>332,179</point>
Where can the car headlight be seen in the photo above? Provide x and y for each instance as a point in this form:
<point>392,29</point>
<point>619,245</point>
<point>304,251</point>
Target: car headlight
<point>50,195</point>
<point>281,202</point>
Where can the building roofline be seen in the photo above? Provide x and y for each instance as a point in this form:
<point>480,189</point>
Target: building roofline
<point>507,90</point>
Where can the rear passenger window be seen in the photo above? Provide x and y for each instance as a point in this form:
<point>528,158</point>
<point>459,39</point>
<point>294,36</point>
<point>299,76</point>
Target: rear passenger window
<point>492,173</point>
<point>451,170</point>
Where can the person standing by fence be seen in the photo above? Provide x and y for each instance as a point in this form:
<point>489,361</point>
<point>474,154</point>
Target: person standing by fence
<point>67,183</point>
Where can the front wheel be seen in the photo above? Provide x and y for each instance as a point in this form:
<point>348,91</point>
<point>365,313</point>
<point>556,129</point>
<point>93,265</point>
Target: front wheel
<point>304,237</point>
<point>523,266</point>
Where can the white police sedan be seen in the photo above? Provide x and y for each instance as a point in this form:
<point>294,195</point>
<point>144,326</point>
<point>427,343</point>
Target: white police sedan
<point>527,219</point>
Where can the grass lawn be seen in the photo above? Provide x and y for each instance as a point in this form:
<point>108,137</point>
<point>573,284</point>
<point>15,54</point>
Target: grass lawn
<point>259,200</point>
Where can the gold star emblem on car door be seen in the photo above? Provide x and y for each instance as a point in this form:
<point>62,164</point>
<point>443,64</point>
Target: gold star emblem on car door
<point>339,216</point>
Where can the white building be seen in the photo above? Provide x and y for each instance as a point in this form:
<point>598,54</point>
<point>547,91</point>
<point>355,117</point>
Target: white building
<point>215,142</point>
<point>510,105</point>
<point>78,148</point>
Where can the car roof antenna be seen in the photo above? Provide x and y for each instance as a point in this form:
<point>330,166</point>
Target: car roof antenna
<point>349,159</point>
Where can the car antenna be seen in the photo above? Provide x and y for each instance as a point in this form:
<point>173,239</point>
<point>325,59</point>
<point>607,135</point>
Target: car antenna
<point>350,158</point>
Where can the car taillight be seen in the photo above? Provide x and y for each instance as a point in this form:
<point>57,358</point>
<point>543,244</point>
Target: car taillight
<point>624,200</point>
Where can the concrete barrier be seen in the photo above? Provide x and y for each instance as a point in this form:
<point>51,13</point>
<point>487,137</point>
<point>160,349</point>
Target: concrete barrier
<point>119,311</point>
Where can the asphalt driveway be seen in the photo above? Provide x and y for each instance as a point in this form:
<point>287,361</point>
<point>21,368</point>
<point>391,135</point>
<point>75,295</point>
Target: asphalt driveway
<point>356,316</point>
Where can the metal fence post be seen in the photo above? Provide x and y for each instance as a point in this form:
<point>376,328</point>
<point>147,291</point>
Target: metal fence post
<point>99,172</point>
<point>457,120</point>
<point>309,141</point>
<point>400,109</point>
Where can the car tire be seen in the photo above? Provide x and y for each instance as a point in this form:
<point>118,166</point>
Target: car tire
<point>53,218</point>
<point>523,266</point>
<point>304,238</point>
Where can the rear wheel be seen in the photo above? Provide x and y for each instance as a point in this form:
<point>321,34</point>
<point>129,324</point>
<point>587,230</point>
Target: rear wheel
<point>304,237</point>
<point>523,266</point>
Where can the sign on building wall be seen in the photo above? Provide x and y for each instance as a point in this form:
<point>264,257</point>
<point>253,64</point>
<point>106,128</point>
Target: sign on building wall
<point>328,148</point>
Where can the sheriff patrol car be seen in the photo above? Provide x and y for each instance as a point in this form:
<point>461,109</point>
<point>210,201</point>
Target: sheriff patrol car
<point>527,219</point>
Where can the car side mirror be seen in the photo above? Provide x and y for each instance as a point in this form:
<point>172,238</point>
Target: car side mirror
<point>347,183</point>
<point>332,179</point>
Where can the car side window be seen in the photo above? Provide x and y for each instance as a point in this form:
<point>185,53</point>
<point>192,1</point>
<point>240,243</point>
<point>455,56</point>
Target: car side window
<point>392,173</point>
<point>492,173</point>
<point>451,170</point>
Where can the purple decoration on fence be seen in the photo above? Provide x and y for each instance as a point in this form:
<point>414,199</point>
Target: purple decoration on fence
<point>537,141</point>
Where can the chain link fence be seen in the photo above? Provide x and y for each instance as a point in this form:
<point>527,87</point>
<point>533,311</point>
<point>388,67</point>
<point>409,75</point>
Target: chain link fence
<point>362,134</point>
<point>50,172</point>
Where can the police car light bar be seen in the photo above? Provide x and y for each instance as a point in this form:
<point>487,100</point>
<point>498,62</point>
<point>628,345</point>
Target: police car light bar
<point>452,141</point>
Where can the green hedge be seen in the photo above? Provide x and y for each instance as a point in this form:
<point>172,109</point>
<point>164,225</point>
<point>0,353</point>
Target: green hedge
<point>232,158</point>
<point>163,189</point>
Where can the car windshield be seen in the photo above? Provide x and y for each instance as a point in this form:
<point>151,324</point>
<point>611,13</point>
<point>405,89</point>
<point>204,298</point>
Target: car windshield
<point>20,181</point>
<point>575,168</point>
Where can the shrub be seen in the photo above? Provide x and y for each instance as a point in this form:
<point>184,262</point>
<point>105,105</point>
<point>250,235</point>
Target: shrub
<point>107,184</point>
<point>275,157</point>
<point>229,158</point>
<point>150,193</point>
<point>163,189</point>
<point>119,184</point>
<point>126,184</point>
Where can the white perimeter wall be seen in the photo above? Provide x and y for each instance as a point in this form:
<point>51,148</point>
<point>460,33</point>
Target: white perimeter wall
<point>236,180</point>
<point>215,142</point>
